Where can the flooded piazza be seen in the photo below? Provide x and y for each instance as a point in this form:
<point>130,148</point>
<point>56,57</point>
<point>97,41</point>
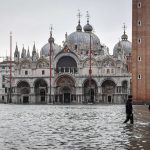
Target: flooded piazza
<point>72,127</point>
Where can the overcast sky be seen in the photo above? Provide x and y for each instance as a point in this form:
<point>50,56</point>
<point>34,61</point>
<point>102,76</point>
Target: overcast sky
<point>30,20</point>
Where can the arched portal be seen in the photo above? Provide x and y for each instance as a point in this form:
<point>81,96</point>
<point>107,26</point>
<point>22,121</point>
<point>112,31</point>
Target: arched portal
<point>23,91</point>
<point>41,90</point>
<point>65,90</point>
<point>108,91</point>
<point>66,64</point>
<point>66,94</point>
<point>90,91</point>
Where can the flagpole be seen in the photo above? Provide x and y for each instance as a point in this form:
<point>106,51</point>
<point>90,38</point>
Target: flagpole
<point>90,70</point>
<point>10,88</point>
<point>50,64</point>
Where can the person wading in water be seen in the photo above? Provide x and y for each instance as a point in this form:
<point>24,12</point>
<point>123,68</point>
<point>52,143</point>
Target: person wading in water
<point>129,109</point>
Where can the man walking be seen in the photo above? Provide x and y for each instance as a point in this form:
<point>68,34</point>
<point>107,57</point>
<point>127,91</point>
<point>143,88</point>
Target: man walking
<point>129,109</point>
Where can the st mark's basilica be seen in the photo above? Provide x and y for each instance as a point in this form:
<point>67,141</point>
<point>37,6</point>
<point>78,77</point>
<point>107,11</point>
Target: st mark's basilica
<point>81,71</point>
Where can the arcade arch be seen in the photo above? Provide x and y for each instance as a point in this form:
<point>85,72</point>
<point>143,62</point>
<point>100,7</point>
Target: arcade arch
<point>41,90</point>
<point>23,91</point>
<point>65,89</point>
<point>108,91</point>
<point>90,90</point>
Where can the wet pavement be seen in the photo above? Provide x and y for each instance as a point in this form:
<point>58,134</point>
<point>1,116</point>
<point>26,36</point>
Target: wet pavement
<point>73,127</point>
<point>140,137</point>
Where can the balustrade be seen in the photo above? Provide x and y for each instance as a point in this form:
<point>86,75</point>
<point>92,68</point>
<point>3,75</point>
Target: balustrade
<point>72,70</point>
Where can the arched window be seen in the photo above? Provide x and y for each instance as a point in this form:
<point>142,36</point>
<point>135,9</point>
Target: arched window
<point>66,64</point>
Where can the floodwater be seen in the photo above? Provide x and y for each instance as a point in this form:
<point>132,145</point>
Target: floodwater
<point>70,127</point>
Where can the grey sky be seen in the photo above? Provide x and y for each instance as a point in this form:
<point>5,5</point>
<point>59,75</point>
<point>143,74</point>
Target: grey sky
<point>29,20</point>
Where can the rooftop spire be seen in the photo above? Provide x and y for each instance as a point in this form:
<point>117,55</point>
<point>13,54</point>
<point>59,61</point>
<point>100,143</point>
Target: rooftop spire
<point>51,39</point>
<point>23,54</point>
<point>87,16</point>
<point>51,30</point>
<point>34,49</point>
<point>124,28</point>
<point>79,15</point>
<point>23,49</point>
<point>28,53</point>
<point>16,49</point>
<point>124,37</point>
<point>88,27</point>
<point>66,35</point>
<point>79,27</point>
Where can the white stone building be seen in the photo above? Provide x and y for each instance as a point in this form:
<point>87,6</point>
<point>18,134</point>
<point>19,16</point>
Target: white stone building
<point>5,79</point>
<point>77,76</point>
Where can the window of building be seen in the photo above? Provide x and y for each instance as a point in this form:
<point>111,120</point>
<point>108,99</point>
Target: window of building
<point>2,97</point>
<point>127,67</point>
<point>3,78</point>
<point>139,5</point>
<point>112,70</point>
<point>26,72</point>
<point>5,90</point>
<point>139,40</point>
<point>3,85</point>
<point>139,23</point>
<point>108,71</point>
<point>75,47</point>
<point>139,58</point>
<point>118,89</point>
<point>43,72</point>
<point>3,67</point>
<point>139,76</point>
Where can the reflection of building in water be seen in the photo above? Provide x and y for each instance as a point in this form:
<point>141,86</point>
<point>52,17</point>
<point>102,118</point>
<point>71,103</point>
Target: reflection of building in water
<point>70,83</point>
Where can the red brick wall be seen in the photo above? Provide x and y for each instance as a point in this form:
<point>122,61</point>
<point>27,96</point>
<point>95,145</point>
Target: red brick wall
<point>141,87</point>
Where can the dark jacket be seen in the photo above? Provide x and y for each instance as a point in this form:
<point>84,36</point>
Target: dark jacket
<point>129,107</point>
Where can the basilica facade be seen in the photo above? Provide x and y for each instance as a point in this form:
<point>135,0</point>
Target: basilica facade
<point>80,72</point>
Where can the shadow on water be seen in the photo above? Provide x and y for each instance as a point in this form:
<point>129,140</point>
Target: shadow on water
<point>79,127</point>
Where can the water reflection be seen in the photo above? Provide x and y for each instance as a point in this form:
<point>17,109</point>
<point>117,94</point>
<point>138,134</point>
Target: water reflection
<point>85,127</point>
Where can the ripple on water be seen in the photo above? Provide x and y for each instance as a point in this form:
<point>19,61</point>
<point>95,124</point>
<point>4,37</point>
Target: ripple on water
<point>67,127</point>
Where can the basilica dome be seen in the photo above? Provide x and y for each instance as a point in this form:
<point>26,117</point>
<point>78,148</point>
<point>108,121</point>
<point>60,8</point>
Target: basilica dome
<point>81,40</point>
<point>124,44</point>
<point>45,49</point>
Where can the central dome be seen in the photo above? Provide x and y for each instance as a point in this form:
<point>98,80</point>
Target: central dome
<point>81,40</point>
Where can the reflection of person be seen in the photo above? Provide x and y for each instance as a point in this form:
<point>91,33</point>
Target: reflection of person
<point>129,109</point>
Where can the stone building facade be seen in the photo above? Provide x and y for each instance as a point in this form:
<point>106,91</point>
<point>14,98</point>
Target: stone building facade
<point>82,71</point>
<point>5,79</point>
